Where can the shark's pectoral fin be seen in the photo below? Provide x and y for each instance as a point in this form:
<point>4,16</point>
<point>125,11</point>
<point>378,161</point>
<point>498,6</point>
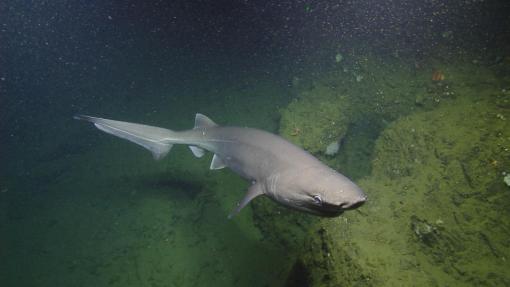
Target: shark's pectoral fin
<point>217,162</point>
<point>254,191</point>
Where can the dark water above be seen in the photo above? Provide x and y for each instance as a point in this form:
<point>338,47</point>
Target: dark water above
<point>81,208</point>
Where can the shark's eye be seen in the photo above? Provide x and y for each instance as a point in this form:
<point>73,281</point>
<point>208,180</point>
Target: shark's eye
<point>317,199</point>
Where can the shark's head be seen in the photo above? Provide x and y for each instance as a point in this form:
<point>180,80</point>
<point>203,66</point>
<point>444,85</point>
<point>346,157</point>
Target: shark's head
<point>321,191</point>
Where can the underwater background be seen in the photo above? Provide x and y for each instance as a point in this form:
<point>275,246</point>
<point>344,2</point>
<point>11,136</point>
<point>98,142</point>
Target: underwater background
<point>410,99</point>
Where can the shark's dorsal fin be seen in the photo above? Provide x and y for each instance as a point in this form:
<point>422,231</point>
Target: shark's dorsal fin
<point>254,191</point>
<point>202,121</point>
<point>217,162</point>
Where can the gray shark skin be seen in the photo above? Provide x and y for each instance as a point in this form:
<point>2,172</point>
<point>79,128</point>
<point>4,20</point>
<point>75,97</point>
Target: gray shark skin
<point>277,168</point>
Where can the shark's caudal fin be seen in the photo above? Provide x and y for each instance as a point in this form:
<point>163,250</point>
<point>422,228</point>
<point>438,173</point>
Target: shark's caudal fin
<point>157,140</point>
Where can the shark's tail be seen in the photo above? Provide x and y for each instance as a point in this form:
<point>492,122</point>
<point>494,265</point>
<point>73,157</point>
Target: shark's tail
<point>158,141</point>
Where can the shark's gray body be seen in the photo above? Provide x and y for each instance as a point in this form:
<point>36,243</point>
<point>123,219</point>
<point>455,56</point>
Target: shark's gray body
<point>276,167</point>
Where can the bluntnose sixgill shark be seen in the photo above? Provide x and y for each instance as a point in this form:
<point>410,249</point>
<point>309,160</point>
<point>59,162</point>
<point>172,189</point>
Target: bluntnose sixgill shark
<point>276,167</point>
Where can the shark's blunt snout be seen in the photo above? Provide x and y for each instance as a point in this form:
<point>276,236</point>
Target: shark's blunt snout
<point>354,199</point>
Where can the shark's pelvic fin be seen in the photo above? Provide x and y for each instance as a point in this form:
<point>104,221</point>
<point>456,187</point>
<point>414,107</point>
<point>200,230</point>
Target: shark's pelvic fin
<point>254,191</point>
<point>157,140</point>
<point>198,152</point>
<point>217,163</point>
<point>202,121</point>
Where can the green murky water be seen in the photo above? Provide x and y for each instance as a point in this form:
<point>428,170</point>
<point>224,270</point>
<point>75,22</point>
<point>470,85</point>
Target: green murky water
<point>417,96</point>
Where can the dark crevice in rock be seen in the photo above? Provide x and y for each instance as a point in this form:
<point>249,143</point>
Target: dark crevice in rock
<point>299,276</point>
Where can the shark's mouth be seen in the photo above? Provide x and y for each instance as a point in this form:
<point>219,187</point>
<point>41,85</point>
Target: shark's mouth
<point>355,205</point>
<point>326,210</point>
<point>331,210</point>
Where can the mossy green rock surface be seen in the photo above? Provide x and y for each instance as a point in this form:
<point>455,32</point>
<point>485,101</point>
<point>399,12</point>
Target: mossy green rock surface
<point>438,212</point>
<point>319,117</point>
<point>323,111</point>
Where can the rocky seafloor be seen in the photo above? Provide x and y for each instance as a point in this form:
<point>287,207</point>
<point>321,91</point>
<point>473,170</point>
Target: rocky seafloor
<point>431,155</point>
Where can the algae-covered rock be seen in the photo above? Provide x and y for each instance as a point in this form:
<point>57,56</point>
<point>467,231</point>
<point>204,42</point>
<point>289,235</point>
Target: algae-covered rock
<point>330,265</point>
<point>438,212</point>
<point>315,120</point>
<point>322,113</point>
